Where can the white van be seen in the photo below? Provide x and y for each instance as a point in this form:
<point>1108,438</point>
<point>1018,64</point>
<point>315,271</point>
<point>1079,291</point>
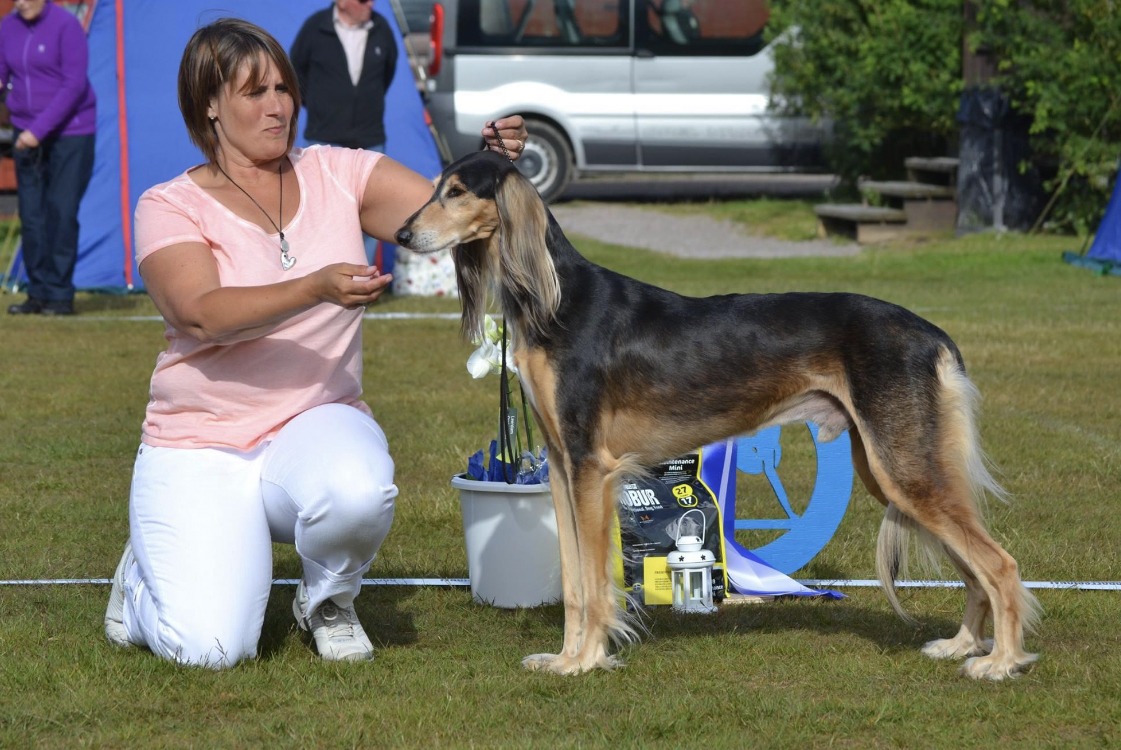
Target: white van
<point>614,85</point>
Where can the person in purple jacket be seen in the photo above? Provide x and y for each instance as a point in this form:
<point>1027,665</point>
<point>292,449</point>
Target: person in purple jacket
<point>43,59</point>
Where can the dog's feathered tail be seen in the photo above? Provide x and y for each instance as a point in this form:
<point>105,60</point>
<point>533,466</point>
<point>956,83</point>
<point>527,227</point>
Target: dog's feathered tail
<point>893,554</point>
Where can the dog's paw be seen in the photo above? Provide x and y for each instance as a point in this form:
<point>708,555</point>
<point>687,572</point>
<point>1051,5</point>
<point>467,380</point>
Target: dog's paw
<point>963,644</point>
<point>561,664</point>
<point>536,662</point>
<point>997,667</point>
<point>555,663</point>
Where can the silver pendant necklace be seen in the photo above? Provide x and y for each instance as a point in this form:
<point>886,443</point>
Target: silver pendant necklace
<point>286,260</point>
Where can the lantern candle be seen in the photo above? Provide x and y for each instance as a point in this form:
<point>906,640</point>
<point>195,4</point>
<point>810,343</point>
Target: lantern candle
<point>690,567</point>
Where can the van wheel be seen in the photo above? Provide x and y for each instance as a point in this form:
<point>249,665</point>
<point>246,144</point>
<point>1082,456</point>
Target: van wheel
<point>547,160</point>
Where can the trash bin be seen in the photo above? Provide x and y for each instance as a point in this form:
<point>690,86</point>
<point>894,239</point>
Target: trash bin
<point>993,192</point>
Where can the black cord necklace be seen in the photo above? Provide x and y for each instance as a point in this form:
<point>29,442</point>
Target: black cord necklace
<point>286,260</point>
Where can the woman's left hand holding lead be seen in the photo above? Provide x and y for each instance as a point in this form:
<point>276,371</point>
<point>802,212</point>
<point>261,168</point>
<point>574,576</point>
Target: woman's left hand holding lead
<point>512,132</point>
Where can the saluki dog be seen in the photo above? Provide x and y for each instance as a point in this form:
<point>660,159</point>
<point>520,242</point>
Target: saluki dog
<point>622,375</point>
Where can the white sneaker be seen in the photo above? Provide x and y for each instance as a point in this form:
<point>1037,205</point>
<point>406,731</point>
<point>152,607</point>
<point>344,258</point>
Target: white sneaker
<point>338,634</point>
<point>115,612</point>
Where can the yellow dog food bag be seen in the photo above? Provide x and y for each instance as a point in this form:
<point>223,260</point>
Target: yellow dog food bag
<point>647,519</point>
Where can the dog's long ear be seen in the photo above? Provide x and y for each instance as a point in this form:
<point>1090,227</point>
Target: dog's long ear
<point>526,267</point>
<point>471,261</point>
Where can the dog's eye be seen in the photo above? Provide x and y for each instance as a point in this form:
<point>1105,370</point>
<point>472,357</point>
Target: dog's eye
<point>454,192</point>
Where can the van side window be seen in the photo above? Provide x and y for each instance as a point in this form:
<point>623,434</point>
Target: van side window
<point>701,27</point>
<point>543,23</point>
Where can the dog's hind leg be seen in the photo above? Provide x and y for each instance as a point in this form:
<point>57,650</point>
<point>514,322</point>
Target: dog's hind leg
<point>991,577</point>
<point>1013,607</point>
<point>939,491</point>
<point>970,640</point>
<point>998,576</point>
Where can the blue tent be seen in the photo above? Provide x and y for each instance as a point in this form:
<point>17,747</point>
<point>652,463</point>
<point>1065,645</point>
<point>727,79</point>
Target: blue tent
<point>135,47</point>
<point>1105,254</point>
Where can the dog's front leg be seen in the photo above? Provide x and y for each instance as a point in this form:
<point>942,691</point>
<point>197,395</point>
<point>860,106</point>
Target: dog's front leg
<point>594,497</point>
<point>571,582</point>
<point>592,506</point>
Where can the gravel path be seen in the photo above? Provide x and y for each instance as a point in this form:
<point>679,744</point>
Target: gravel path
<point>684,236</point>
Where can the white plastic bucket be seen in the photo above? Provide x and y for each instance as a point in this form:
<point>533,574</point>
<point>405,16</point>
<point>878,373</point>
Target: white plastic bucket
<point>513,556</point>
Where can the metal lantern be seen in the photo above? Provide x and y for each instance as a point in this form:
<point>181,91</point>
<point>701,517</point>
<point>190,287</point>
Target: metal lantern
<point>690,569</point>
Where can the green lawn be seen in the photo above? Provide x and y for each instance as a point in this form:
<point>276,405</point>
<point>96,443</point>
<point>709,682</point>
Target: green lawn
<point>1041,339</point>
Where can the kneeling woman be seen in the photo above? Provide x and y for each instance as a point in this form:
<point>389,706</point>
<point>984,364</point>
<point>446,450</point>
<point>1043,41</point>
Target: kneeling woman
<point>256,431</point>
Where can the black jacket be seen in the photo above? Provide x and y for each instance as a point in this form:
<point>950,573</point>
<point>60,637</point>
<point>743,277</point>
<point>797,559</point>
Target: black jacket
<point>339,112</point>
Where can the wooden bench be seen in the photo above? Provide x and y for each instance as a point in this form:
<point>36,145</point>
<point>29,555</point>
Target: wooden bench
<point>941,170</point>
<point>865,224</point>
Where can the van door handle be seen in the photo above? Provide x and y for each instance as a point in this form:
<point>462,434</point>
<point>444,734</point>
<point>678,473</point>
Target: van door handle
<point>644,53</point>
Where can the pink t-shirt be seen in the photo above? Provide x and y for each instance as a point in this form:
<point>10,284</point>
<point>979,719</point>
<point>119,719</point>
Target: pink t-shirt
<point>237,395</point>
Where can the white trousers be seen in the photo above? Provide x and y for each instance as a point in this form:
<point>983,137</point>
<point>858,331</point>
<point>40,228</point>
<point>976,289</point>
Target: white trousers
<point>202,523</point>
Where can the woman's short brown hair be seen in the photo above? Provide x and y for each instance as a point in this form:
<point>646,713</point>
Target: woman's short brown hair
<point>212,59</point>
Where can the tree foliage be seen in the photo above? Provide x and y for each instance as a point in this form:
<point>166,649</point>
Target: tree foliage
<point>1060,62</point>
<point>886,74</point>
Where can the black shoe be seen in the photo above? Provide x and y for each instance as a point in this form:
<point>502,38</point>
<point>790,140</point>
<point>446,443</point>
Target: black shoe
<point>58,308</point>
<point>30,306</point>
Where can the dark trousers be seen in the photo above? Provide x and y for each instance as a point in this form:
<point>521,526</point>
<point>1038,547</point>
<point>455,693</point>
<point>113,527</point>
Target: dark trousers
<point>51,180</point>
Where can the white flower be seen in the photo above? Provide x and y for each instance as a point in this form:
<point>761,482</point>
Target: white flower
<point>491,332</point>
<point>488,357</point>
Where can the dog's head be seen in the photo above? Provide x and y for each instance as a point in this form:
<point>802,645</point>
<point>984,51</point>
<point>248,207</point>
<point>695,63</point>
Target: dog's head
<point>493,220</point>
<point>465,205</point>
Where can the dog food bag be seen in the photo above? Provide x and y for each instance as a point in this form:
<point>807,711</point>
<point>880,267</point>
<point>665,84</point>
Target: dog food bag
<point>649,515</point>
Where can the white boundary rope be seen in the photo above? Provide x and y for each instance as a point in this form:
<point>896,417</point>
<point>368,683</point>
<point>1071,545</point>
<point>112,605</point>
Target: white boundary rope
<point>276,581</point>
<point>813,582</point>
<point>866,583</point>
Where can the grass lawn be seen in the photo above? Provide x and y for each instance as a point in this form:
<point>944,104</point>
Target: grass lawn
<point>1041,339</point>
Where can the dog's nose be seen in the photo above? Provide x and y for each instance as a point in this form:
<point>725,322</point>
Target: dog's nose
<point>404,237</point>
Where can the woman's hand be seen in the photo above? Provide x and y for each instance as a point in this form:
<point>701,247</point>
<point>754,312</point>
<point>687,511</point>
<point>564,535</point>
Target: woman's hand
<point>26,141</point>
<point>512,132</point>
<point>349,285</point>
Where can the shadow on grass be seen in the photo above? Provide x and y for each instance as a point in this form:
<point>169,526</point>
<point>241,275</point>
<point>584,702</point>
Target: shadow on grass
<point>378,608</point>
<point>883,628</point>
<point>792,614</point>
